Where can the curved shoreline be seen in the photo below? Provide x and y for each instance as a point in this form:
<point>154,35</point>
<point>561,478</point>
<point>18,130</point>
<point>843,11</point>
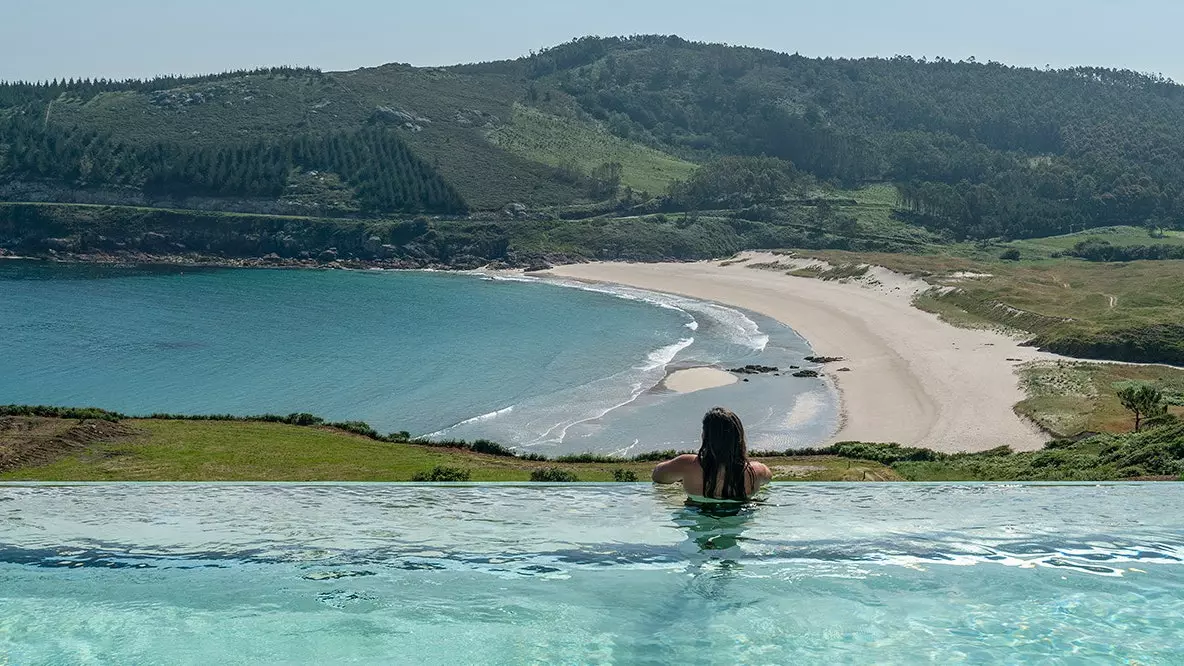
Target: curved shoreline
<point>913,379</point>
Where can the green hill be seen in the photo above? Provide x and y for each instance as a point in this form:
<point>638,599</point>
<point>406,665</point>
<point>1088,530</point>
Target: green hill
<point>976,150</point>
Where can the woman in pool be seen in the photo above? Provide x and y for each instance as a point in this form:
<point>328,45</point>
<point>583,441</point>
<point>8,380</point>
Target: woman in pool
<point>721,470</point>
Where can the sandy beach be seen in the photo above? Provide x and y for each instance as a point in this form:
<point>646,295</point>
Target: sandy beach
<point>690,380</point>
<point>914,379</point>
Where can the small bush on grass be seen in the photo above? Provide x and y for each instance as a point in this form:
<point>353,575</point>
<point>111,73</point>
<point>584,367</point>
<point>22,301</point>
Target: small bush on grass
<point>357,427</point>
<point>624,476</point>
<point>442,473</point>
<point>553,475</point>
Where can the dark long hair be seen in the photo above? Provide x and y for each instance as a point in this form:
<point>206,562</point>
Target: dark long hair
<point>724,447</point>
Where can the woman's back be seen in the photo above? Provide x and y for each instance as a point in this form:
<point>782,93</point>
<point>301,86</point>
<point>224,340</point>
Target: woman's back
<point>686,468</point>
<point>721,470</point>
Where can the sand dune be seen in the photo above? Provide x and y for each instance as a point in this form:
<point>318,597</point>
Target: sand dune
<point>914,379</point>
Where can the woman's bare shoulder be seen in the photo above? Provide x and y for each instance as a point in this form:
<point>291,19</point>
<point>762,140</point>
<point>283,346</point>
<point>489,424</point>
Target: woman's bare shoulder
<point>761,470</point>
<point>673,470</point>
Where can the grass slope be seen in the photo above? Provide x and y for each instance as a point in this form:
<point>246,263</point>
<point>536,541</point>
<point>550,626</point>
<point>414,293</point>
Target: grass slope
<point>874,208</point>
<point>1118,236</point>
<point>166,450</point>
<point>541,137</point>
<point>1156,454</point>
<point>1068,399</point>
<point>450,113</point>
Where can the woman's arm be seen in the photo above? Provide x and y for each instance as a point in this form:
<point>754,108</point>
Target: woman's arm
<point>672,471</point>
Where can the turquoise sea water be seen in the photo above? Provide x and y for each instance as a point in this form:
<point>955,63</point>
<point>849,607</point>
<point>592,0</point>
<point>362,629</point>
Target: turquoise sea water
<point>588,574</point>
<point>557,368</point>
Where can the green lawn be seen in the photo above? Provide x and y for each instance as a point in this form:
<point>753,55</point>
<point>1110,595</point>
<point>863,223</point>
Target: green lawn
<point>254,451</point>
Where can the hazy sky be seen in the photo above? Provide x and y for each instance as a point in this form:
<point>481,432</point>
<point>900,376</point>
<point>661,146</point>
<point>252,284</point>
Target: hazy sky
<point>42,39</point>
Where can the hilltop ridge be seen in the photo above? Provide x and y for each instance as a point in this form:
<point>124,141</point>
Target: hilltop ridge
<point>977,150</point>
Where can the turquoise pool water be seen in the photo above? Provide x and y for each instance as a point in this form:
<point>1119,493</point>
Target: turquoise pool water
<point>625,574</point>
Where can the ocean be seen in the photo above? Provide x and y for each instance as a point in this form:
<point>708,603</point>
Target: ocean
<point>542,365</point>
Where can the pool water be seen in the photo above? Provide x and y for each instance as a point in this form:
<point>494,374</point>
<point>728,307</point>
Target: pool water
<point>625,574</point>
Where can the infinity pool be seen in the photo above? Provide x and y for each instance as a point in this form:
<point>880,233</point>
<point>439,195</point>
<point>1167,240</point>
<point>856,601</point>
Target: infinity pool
<point>381,574</point>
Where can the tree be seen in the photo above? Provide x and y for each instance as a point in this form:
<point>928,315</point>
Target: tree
<point>606,179</point>
<point>1144,401</point>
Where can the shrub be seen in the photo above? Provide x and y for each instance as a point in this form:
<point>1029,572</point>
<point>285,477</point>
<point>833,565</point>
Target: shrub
<point>303,419</point>
<point>886,454</point>
<point>490,448</point>
<point>60,412</point>
<point>654,456</point>
<point>553,475</point>
<point>1010,255</point>
<point>441,473</point>
<point>357,427</point>
<point>588,458</point>
<point>624,476</point>
<point>477,446</point>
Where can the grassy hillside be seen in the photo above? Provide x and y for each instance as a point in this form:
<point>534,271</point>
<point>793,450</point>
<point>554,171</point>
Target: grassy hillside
<point>1122,236</point>
<point>564,142</point>
<point>1152,455</point>
<point>979,150</point>
<point>1068,399</point>
<point>104,448</point>
<point>164,450</point>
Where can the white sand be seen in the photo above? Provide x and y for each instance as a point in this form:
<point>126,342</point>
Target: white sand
<point>914,379</point>
<point>690,380</point>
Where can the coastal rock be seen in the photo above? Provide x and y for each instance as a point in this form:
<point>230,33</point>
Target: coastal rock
<point>372,244</point>
<point>806,373</point>
<point>328,255</point>
<point>755,370</point>
<point>60,244</point>
<point>844,370</point>
<point>466,262</point>
<point>824,359</point>
<point>514,211</point>
<point>534,268</point>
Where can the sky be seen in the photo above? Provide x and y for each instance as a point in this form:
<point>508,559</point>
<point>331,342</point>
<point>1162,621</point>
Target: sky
<point>46,39</point>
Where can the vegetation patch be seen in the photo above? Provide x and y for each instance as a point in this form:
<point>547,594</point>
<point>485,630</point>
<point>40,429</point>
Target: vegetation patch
<point>237,449</point>
<point>1157,453</point>
<point>1068,399</point>
<point>555,475</point>
<point>1114,311</point>
<point>442,474</point>
<point>581,148</point>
